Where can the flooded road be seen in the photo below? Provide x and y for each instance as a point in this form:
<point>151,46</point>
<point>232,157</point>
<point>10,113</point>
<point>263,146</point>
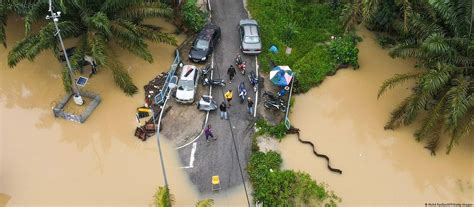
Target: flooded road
<point>46,161</point>
<point>345,121</point>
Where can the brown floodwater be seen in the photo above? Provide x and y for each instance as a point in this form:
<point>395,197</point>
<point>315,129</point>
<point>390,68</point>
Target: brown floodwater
<point>345,121</point>
<point>52,162</point>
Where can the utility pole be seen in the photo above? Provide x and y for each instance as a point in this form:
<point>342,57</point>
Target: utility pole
<point>55,16</point>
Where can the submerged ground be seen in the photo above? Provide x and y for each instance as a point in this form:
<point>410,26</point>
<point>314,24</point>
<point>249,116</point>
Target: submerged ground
<point>46,161</point>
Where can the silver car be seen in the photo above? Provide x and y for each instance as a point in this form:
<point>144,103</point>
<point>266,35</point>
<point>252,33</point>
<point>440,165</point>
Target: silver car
<point>250,37</point>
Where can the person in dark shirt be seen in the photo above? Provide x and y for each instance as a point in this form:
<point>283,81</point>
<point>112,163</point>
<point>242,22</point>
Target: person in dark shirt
<point>250,105</point>
<point>231,73</point>
<point>223,109</point>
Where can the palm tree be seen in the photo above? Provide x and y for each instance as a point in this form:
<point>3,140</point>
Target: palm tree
<point>440,33</point>
<point>15,6</point>
<point>441,39</point>
<point>96,24</point>
<point>163,198</point>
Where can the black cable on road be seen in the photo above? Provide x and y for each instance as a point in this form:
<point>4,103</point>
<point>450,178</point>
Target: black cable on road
<point>235,146</point>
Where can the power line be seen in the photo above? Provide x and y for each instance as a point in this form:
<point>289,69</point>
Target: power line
<point>235,148</point>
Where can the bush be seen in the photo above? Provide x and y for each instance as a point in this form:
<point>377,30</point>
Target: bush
<point>275,187</point>
<point>385,41</point>
<point>344,51</point>
<point>194,18</point>
<point>313,68</point>
<point>264,128</point>
<point>302,25</point>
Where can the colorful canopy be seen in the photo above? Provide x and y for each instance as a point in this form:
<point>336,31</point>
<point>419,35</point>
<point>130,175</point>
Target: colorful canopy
<point>281,75</point>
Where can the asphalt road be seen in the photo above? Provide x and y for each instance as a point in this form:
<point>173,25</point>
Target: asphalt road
<point>205,159</point>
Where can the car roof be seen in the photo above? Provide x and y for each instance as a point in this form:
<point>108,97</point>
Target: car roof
<point>248,21</point>
<point>186,70</point>
<point>207,31</point>
<point>250,30</point>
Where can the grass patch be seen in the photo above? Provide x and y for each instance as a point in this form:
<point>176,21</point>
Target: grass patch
<point>276,187</point>
<point>264,128</point>
<point>305,27</point>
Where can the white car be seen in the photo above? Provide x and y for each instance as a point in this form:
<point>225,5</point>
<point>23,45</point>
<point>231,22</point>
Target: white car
<point>187,84</point>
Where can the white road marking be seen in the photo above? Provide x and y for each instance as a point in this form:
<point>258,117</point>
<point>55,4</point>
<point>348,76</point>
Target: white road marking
<point>258,85</point>
<point>191,159</point>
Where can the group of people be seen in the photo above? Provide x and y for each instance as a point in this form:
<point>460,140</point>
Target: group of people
<point>224,107</point>
<point>223,112</point>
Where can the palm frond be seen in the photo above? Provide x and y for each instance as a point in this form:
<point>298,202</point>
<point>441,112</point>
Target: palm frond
<point>205,203</point>
<point>435,79</point>
<point>408,48</point>
<point>156,36</point>
<point>96,45</point>
<point>121,76</point>
<point>433,122</point>
<point>3,24</point>
<point>406,9</point>
<point>397,79</point>
<point>147,10</point>
<point>421,27</point>
<point>436,45</point>
<point>451,16</point>
<point>397,114</point>
<point>369,8</point>
<point>351,14</point>
<point>457,103</point>
<point>101,22</point>
<point>66,78</point>
<point>463,129</point>
<point>163,197</point>
<point>37,11</point>
<point>116,5</point>
<point>126,36</point>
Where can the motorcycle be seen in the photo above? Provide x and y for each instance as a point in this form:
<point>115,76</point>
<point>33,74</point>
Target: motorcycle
<point>214,82</point>
<point>241,65</point>
<point>273,97</point>
<point>206,103</point>
<point>205,80</point>
<point>206,70</point>
<point>253,80</point>
<point>242,92</point>
<point>274,104</point>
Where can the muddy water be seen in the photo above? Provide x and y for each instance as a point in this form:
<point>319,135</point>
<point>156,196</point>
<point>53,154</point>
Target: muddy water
<point>46,161</point>
<point>345,120</point>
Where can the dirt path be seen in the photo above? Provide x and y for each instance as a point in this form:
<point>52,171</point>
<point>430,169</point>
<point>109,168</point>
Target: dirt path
<point>203,159</point>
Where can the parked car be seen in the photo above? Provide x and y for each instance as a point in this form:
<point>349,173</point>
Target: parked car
<point>187,84</point>
<point>250,37</point>
<point>205,43</point>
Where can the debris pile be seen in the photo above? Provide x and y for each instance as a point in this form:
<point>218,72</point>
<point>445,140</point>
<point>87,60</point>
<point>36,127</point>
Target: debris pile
<point>153,88</point>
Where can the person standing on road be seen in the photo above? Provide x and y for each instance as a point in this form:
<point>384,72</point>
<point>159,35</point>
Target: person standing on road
<point>250,105</point>
<point>208,132</point>
<point>231,73</point>
<point>223,109</point>
<point>228,97</point>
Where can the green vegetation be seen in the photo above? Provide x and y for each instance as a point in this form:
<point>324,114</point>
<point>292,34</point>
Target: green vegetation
<point>344,51</point>
<point>96,25</point>
<point>439,35</point>
<point>305,27</point>
<point>276,187</point>
<point>194,18</point>
<point>264,128</point>
<point>163,198</point>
